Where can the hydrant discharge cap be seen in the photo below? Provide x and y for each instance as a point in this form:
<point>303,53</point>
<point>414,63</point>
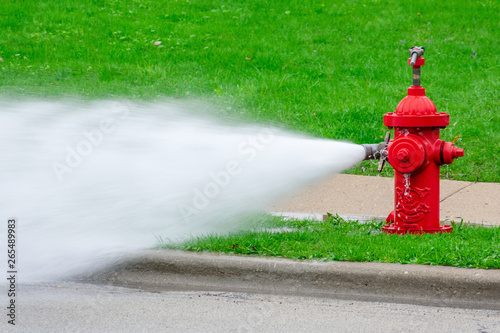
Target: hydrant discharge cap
<point>407,154</point>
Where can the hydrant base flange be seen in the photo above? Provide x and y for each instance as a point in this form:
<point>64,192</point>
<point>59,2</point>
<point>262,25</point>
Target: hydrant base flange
<point>395,230</point>
<point>414,229</point>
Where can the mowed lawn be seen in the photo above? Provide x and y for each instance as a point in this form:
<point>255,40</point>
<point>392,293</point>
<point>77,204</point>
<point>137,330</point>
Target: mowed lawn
<point>339,240</point>
<point>327,68</point>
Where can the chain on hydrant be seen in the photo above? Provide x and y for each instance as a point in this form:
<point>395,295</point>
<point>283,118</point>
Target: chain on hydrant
<point>416,154</point>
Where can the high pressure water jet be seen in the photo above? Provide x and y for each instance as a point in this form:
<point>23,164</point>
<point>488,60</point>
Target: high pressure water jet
<point>91,181</point>
<point>416,154</point>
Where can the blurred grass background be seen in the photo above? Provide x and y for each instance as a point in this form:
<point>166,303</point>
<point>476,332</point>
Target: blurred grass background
<point>327,68</point>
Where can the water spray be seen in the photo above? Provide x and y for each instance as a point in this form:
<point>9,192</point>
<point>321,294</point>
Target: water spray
<point>416,154</point>
<point>91,181</point>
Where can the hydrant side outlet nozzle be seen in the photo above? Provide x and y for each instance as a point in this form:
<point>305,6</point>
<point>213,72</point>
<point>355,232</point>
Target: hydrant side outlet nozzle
<point>416,154</point>
<point>377,151</point>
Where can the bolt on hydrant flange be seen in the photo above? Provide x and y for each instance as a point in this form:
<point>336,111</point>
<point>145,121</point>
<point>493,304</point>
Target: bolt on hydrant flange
<point>416,154</point>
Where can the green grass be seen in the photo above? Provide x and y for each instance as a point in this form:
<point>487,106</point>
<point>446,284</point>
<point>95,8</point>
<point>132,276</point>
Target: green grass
<point>339,240</point>
<point>327,68</point>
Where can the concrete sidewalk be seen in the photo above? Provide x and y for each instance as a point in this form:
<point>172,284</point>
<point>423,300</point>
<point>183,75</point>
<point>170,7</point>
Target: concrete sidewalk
<point>366,197</point>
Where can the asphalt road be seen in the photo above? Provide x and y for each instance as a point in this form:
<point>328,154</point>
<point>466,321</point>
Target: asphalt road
<point>81,307</point>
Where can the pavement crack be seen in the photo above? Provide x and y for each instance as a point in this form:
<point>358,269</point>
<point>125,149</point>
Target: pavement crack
<point>455,192</point>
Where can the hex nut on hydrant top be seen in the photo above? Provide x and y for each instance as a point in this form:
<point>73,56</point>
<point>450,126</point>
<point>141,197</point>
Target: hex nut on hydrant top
<point>416,154</point>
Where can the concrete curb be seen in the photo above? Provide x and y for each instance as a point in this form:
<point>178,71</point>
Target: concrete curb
<point>164,270</point>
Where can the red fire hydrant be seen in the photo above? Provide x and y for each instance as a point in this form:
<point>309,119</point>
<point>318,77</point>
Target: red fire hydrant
<point>416,154</point>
